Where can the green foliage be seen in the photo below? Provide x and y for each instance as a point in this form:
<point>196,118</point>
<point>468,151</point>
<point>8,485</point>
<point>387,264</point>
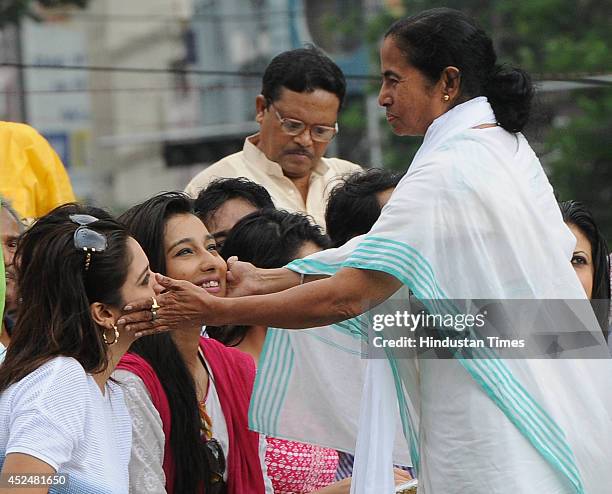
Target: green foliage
<point>558,35</point>
<point>399,151</point>
<point>353,117</point>
<point>13,10</point>
<point>580,156</point>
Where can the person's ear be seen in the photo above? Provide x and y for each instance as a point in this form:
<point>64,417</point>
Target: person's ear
<point>260,108</point>
<point>450,83</point>
<point>103,315</point>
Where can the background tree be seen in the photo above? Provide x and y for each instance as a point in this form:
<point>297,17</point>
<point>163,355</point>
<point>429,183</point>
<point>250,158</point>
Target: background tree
<point>13,10</point>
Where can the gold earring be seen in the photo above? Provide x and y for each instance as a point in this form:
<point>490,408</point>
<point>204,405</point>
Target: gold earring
<point>446,97</point>
<point>111,343</point>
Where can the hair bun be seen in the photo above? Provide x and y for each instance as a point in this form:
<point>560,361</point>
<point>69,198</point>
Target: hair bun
<point>510,92</point>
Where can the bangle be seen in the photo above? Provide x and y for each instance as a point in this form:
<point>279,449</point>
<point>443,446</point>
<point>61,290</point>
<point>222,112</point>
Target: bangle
<point>301,278</point>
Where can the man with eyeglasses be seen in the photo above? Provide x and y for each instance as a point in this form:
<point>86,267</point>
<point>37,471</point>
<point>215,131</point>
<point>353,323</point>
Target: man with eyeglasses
<point>297,112</point>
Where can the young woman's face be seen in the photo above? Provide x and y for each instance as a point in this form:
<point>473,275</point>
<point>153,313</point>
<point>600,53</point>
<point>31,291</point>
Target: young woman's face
<point>139,281</point>
<point>582,260</point>
<point>138,285</point>
<point>191,254</point>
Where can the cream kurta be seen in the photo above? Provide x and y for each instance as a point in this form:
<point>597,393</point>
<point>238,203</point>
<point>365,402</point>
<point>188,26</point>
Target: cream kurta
<point>253,164</point>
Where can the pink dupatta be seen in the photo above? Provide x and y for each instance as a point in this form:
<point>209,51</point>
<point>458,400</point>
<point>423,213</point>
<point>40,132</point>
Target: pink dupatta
<point>233,372</point>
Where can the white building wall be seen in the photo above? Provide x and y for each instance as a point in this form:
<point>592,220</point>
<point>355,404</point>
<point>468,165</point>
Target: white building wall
<point>146,34</point>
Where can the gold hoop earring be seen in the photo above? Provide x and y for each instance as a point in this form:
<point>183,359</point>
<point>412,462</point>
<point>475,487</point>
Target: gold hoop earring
<point>446,97</point>
<point>111,343</point>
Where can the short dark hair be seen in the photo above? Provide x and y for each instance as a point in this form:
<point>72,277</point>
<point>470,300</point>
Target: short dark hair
<point>576,213</point>
<point>302,70</point>
<point>221,190</point>
<point>438,38</point>
<point>353,208</point>
<point>269,238</point>
<point>54,316</point>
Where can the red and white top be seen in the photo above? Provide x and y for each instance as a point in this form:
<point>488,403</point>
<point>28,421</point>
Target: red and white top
<point>299,468</point>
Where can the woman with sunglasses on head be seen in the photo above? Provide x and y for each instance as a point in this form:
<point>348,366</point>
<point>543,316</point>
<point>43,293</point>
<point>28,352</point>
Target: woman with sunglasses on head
<point>188,396</point>
<point>59,412</point>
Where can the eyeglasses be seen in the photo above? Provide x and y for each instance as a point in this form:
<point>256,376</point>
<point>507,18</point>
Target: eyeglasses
<point>85,238</point>
<point>293,127</point>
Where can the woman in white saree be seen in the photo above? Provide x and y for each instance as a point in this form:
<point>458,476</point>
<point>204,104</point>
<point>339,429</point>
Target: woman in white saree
<point>474,218</point>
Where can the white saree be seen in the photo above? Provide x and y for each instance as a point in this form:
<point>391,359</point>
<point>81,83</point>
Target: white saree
<point>474,218</point>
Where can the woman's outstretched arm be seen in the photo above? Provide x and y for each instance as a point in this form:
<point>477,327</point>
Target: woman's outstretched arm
<point>348,293</point>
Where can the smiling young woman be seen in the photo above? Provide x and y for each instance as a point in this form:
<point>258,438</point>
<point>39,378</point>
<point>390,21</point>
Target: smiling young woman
<point>188,396</point>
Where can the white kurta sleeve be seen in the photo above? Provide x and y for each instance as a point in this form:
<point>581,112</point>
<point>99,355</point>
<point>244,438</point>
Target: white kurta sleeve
<point>146,472</point>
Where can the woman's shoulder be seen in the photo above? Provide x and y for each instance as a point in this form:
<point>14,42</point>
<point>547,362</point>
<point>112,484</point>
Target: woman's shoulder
<point>57,372</point>
<point>230,359</point>
<point>472,144</point>
<point>475,156</point>
<point>138,378</point>
<point>131,387</point>
<point>137,398</point>
<point>133,365</point>
<point>210,345</point>
<point>60,390</point>
<point>63,363</point>
<point>56,378</point>
<point>127,381</point>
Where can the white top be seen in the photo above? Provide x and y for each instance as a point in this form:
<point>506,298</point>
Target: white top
<point>146,472</point>
<point>58,415</point>
<point>2,352</point>
<point>147,454</point>
<point>253,164</point>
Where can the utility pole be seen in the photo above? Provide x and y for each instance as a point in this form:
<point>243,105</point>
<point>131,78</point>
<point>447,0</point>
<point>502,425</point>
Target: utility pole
<point>373,111</point>
<point>23,97</point>
<point>374,137</point>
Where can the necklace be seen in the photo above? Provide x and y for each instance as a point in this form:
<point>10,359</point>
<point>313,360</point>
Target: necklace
<point>205,421</point>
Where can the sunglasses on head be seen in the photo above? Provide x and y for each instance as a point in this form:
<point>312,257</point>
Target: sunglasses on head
<point>85,238</point>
